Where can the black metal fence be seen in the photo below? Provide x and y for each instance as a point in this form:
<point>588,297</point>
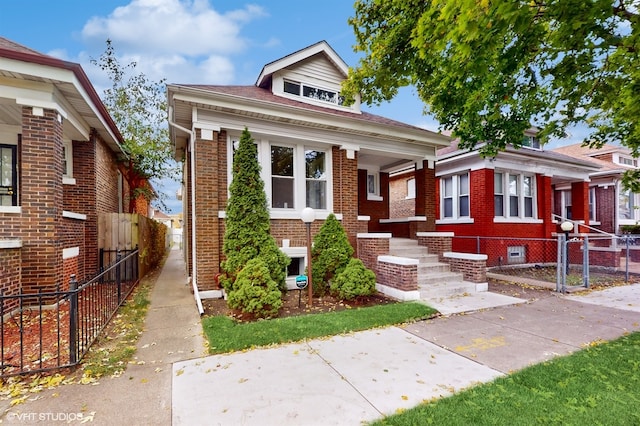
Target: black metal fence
<point>53,330</point>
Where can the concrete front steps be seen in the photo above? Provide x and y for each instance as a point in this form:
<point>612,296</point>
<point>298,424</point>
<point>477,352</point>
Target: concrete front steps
<point>442,289</point>
<point>435,280</point>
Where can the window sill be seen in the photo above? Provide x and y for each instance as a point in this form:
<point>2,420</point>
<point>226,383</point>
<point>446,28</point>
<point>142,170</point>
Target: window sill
<point>290,214</point>
<point>374,197</point>
<point>10,244</point>
<point>461,220</point>
<point>11,209</point>
<point>516,220</point>
<point>68,181</point>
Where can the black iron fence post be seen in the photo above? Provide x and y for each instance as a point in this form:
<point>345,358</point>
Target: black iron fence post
<point>118,278</point>
<point>73,320</point>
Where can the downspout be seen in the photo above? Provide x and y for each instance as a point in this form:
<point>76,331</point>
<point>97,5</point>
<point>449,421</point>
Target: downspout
<point>192,157</point>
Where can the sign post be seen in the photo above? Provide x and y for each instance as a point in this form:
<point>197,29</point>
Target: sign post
<point>301,283</point>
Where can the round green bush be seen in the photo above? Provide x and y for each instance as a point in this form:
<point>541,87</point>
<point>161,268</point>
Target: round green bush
<point>355,281</point>
<point>330,254</point>
<point>254,292</point>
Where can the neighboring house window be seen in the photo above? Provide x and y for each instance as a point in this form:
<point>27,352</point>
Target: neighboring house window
<point>411,188</point>
<point>566,204</point>
<point>592,204</point>
<point>67,159</point>
<point>282,179</point>
<point>455,196</point>
<point>8,175</point>
<point>627,161</point>
<point>312,92</point>
<point>514,195</point>
<point>531,142</point>
<point>626,205</point>
<point>316,179</point>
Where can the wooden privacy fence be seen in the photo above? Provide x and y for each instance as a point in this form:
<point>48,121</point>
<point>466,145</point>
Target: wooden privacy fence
<point>126,231</point>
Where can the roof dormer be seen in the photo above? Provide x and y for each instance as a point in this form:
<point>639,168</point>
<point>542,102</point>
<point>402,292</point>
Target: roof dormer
<point>312,75</point>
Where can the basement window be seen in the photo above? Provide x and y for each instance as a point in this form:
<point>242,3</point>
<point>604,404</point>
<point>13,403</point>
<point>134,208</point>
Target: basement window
<point>516,254</point>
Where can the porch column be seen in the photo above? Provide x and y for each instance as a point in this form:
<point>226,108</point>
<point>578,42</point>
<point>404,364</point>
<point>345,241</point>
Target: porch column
<point>580,203</point>
<point>41,199</point>
<point>345,191</point>
<point>426,194</point>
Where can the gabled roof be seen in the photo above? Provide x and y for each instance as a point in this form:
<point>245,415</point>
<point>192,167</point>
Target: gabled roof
<point>322,47</point>
<point>70,80</point>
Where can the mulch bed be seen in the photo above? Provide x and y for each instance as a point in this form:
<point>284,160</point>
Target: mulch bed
<point>295,303</point>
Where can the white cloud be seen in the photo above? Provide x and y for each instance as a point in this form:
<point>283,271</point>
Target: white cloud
<point>182,41</point>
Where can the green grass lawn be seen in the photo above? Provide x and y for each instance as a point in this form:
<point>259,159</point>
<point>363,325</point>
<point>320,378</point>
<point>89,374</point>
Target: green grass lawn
<point>226,335</point>
<point>599,385</point>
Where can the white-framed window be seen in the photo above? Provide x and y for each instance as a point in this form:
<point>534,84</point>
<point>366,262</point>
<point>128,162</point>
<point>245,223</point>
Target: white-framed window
<point>566,204</point>
<point>592,204</point>
<point>372,183</point>
<point>309,91</point>
<point>530,142</point>
<point>628,161</point>
<point>627,205</point>
<point>295,176</point>
<point>454,197</point>
<point>8,175</point>
<point>411,188</point>
<point>514,195</point>
<point>67,159</point>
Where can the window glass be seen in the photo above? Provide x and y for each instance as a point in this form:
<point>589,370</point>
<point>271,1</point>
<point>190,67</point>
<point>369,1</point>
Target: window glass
<point>292,87</point>
<point>282,182</point>
<point>513,196</point>
<point>411,188</point>
<point>316,184</point>
<point>8,176</point>
<point>463,194</point>
<point>527,182</point>
<point>498,197</point>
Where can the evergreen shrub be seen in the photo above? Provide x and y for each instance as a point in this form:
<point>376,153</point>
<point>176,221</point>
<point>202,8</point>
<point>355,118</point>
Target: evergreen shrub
<point>355,281</point>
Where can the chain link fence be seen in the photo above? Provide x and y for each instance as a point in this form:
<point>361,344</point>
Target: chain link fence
<point>581,260</point>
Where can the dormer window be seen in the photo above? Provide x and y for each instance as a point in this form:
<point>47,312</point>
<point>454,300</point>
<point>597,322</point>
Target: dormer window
<point>531,142</point>
<point>311,92</point>
<point>627,161</point>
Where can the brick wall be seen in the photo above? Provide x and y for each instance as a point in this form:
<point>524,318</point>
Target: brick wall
<point>345,192</point>
<point>437,242</point>
<point>376,210</point>
<point>41,200</point>
<point>70,267</point>
<point>370,246</point>
<point>397,272</point>
<point>210,163</point>
<point>426,193</point>
<point>472,266</point>
<point>10,272</point>
<point>73,235</point>
<point>399,205</point>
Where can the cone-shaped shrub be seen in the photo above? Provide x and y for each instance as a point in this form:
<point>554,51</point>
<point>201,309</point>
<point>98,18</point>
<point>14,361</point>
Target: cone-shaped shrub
<point>355,281</point>
<point>247,227</point>
<point>254,292</point>
<point>330,254</point>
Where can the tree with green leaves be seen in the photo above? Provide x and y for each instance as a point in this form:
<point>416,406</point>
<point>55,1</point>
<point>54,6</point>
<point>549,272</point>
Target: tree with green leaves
<point>330,254</point>
<point>138,106</point>
<point>247,224</point>
<point>490,69</point>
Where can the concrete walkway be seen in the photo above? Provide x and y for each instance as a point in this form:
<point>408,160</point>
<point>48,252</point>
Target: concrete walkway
<point>342,380</point>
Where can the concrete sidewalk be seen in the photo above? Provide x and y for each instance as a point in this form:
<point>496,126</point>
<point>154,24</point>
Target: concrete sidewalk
<point>346,380</point>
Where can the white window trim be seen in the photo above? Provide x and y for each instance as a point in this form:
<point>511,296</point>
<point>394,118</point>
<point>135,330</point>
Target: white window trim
<point>455,180</point>
<point>521,198</point>
<point>68,156</point>
<point>411,189</point>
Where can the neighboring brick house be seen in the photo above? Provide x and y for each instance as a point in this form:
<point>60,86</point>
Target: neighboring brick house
<point>60,171</point>
<point>610,204</point>
<point>509,196</point>
<point>298,120</point>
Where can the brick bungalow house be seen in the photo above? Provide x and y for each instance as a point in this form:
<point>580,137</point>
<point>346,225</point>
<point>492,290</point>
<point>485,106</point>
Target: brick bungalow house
<point>508,197</point>
<point>296,116</point>
<point>610,204</point>
<point>60,169</point>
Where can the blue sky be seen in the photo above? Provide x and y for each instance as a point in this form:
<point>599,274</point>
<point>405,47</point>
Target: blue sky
<point>196,41</point>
